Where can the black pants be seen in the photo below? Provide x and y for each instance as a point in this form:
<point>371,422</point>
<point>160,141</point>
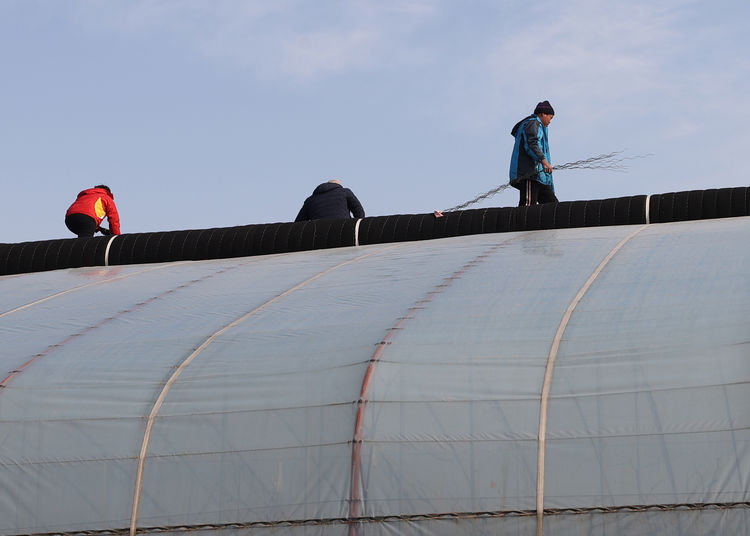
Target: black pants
<point>81,224</point>
<point>532,192</point>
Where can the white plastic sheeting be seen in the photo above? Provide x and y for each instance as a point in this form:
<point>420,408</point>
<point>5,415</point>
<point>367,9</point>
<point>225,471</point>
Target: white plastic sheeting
<point>399,386</point>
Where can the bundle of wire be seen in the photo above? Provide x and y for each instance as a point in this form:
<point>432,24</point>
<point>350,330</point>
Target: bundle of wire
<point>611,161</point>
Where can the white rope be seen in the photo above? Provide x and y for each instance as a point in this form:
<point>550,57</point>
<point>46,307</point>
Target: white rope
<point>106,251</point>
<point>544,399</point>
<point>356,232</point>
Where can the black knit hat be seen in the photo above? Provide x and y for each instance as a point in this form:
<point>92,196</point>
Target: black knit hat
<point>544,107</point>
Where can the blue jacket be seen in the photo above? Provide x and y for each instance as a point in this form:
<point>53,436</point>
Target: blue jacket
<point>532,145</point>
<point>330,200</point>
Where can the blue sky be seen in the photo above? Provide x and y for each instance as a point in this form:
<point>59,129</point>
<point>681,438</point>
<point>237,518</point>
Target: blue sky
<point>216,113</point>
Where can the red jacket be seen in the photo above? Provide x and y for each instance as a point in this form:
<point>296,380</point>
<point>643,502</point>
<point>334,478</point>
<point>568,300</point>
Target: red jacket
<point>97,203</point>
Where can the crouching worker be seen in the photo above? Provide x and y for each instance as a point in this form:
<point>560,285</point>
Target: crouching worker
<point>330,200</point>
<point>85,215</point>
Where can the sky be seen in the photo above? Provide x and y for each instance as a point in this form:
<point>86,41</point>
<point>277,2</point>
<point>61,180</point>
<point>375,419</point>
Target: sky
<point>216,113</point>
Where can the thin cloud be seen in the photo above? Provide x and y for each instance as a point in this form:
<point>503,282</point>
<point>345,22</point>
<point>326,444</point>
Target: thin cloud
<point>325,52</point>
<point>626,58</point>
<point>603,52</point>
<point>284,38</point>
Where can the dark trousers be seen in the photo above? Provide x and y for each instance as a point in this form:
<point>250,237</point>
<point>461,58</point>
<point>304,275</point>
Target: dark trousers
<point>532,192</point>
<point>81,224</point>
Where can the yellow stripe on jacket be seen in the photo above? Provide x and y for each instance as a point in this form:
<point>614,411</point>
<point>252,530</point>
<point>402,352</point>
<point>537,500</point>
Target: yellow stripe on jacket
<point>99,209</point>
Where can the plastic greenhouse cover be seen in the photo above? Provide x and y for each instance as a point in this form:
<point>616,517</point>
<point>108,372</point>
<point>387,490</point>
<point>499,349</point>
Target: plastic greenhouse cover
<point>396,384</point>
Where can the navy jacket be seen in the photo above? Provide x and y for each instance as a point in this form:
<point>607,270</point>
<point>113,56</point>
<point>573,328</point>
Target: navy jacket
<point>532,145</point>
<point>330,200</point>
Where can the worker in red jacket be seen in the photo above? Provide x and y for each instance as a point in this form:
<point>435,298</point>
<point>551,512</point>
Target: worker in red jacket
<point>85,215</point>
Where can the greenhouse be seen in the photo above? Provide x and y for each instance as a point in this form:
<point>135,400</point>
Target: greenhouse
<point>565,381</point>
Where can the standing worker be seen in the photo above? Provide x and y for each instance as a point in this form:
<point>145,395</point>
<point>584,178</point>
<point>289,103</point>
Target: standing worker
<point>530,170</point>
<point>330,200</point>
<point>85,215</point>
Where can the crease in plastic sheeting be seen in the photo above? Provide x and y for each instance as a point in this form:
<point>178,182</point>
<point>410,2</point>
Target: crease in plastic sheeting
<point>81,287</point>
<point>548,376</point>
<point>186,362</point>
<point>19,369</point>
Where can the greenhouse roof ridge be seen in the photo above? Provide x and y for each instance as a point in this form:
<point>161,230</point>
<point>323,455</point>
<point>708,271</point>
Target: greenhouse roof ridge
<point>285,237</point>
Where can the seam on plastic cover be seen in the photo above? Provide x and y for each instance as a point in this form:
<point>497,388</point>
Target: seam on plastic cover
<point>544,398</point>
<point>401,518</point>
<point>648,208</point>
